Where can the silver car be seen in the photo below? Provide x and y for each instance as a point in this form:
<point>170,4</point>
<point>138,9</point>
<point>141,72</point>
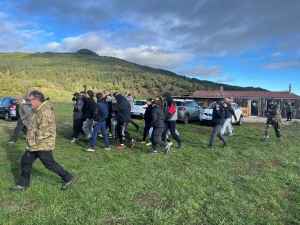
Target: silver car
<point>187,110</point>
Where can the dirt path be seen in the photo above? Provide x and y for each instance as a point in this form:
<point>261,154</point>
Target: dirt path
<point>263,120</point>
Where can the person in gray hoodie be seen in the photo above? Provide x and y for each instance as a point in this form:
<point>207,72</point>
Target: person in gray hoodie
<point>170,110</point>
<point>24,117</point>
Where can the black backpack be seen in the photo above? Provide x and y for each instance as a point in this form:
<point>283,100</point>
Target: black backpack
<point>101,111</point>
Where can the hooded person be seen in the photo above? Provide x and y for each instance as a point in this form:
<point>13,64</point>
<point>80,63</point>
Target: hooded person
<point>109,103</point>
<point>218,118</point>
<point>170,111</point>
<point>273,114</point>
<point>123,117</point>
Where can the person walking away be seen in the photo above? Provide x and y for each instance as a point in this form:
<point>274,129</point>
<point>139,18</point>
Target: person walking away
<point>88,114</point>
<point>24,116</point>
<point>290,110</point>
<point>170,111</point>
<point>109,118</point>
<point>130,101</point>
<point>229,112</point>
<point>147,117</point>
<point>123,116</point>
<point>78,116</point>
<point>158,124</point>
<point>273,114</point>
<point>41,137</point>
<point>100,116</point>
<point>218,117</point>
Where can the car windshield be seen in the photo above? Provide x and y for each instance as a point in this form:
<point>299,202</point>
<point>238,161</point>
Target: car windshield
<point>179,103</point>
<point>139,103</point>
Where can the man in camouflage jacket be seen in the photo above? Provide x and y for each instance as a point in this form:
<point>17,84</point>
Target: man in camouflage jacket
<point>41,136</point>
<point>273,119</point>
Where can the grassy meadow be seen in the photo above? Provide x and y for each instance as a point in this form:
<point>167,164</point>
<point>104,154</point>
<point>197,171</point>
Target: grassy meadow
<point>251,182</point>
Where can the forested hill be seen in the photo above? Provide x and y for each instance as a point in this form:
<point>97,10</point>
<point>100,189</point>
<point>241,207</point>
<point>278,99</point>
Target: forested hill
<point>60,74</point>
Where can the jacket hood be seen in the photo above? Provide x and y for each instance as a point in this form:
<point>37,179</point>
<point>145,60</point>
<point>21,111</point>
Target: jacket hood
<point>45,105</point>
<point>219,102</point>
<point>120,98</point>
<point>167,95</point>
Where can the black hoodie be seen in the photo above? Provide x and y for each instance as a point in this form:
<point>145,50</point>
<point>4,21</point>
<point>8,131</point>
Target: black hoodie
<point>122,109</point>
<point>218,116</point>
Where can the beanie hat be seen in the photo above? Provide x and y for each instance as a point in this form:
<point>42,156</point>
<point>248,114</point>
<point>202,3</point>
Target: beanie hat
<point>271,100</point>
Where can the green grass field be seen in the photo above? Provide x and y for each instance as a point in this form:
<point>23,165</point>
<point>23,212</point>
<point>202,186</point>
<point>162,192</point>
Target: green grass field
<point>251,182</point>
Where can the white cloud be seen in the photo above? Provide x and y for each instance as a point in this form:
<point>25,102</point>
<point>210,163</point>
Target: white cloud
<point>281,65</point>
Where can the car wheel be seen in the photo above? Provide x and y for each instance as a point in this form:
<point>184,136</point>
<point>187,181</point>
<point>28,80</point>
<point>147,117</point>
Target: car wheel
<point>186,119</point>
<point>240,120</point>
<point>7,116</point>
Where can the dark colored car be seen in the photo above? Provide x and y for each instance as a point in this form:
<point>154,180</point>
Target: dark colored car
<point>8,107</point>
<point>187,110</point>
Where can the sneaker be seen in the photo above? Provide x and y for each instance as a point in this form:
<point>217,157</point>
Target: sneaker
<point>69,184</point>
<point>230,134</point>
<point>111,136</point>
<point>137,127</point>
<point>121,146</point>
<point>209,147</point>
<point>166,149</point>
<point>180,145</point>
<point>265,139</point>
<point>18,188</point>
<point>149,143</point>
<point>279,139</point>
<point>143,142</point>
<point>106,148</point>
<point>11,143</point>
<point>74,140</point>
<point>133,143</point>
<point>89,149</point>
<point>153,152</point>
<point>225,145</point>
<point>170,143</point>
<point>100,135</point>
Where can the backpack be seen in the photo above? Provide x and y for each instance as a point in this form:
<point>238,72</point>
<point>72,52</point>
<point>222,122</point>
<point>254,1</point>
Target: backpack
<point>102,107</point>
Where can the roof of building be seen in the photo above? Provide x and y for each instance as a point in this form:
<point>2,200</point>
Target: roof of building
<point>245,94</point>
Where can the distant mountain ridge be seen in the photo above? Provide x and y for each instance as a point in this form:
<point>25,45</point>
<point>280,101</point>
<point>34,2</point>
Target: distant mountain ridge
<point>60,74</point>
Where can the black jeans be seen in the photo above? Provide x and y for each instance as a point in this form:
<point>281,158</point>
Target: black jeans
<point>47,159</point>
<point>156,138</point>
<point>20,127</point>
<point>216,132</point>
<point>172,126</point>
<point>289,116</point>
<point>146,129</point>
<point>133,123</point>
<point>122,132</point>
<point>77,128</point>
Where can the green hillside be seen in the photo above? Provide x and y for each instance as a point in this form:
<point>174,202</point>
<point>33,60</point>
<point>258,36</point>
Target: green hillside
<point>60,74</point>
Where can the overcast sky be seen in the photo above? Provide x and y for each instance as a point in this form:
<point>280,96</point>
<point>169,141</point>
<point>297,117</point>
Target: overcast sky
<point>245,43</point>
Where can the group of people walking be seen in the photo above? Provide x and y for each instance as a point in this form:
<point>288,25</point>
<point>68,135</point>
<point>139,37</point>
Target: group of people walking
<point>160,116</point>
<point>104,114</point>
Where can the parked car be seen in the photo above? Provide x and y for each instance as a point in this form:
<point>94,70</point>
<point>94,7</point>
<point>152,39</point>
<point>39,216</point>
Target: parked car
<point>8,107</point>
<point>206,115</point>
<point>139,108</point>
<point>187,110</point>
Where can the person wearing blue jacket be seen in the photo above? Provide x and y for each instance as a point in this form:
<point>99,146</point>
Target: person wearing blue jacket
<point>218,117</point>
<point>123,117</point>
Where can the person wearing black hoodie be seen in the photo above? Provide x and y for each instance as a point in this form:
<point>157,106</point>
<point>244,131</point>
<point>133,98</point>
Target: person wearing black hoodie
<point>171,117</point>
<point>147,118</point>
<point>157,122</point>
<point>123,116</point>
<point>218,117</point>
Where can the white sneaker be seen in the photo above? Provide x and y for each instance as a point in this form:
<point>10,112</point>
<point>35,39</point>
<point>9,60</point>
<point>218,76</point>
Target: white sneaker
<point>149,143</point>
<point>170,143</point>
<point>11,143</point>
<point>106,148</point>
<point>89,150</point>
<point>143,142</point>
<point>74,140</point>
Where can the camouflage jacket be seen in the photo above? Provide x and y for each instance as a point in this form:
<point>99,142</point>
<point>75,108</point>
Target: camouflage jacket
<point>42,128</point>
<point>273,113</point>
